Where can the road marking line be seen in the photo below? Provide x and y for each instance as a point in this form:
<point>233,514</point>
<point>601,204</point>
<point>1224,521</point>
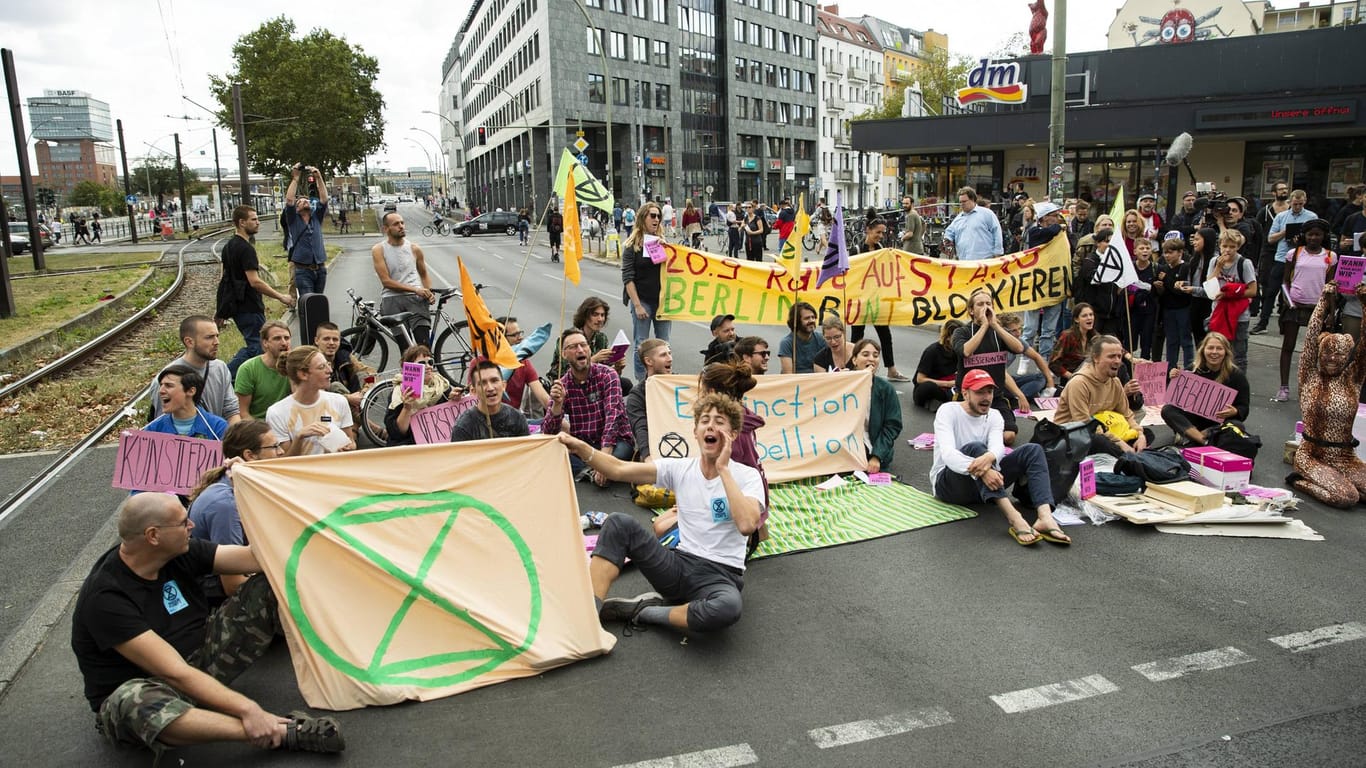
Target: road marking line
<point>721,757</point>
<point>1179,666</point>
<point>1056,693</point>
<point>891,725</point>
<point>1318,638</point>
<point>553,276</point>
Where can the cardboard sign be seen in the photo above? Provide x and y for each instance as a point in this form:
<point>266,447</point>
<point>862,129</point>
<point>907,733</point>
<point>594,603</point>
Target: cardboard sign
<point>654,248</point>
<point>433,425</point>
<point>1350,269</point>
<point>1152,381</point>
<point>154,461</point>
<point>413,374</point>
<point>813,425</point>
<point>1086,475</point>
<point>1046,403</point>
<point>1200,396</point>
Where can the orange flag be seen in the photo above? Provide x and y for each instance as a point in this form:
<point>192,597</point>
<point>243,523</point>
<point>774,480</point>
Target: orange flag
<point>573,236</point>
<point>486,336</point>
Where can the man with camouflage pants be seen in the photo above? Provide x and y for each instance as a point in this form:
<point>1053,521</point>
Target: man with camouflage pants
<point>157,662</point>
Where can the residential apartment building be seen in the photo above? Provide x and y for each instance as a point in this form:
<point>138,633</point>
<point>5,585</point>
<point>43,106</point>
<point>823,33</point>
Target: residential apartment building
<point>1140,23</point>
<point>646,85</point>
<point>70,129</point>
<point>851,77</point>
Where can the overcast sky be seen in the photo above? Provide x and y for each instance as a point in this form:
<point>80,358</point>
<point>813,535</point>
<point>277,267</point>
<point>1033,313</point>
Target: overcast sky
<point>142,56</point>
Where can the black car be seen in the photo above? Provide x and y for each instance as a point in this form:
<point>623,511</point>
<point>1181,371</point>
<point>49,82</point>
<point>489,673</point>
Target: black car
<point>487,223</point>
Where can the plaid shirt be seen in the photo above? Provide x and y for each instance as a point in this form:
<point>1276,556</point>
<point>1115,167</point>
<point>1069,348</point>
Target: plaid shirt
<point>594,409</point>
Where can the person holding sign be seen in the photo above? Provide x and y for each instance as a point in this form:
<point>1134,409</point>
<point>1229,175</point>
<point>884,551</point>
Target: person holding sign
<point>179,389</point>
<point>971,464</point>
<point>640,268</point>
<point>1213,361</point>
<point>884,411</point>
<point>311,420</point>
<point>983,344</point>
<point>720,503</point>
<point>403,403</point>
<point>591,318</point>
<point>1331,376</point>
<point>1096,388</point>
<point>1307,268</point>
<point>490,417</point>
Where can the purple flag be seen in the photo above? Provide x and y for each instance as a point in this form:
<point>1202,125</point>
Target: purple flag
<point>836,260</point>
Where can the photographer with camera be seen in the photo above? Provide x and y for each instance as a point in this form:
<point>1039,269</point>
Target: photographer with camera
<point>304,219</point>
<point>1285,234</point>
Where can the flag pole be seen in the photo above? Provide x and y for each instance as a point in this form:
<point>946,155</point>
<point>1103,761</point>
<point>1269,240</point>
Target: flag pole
<point>527,260</point>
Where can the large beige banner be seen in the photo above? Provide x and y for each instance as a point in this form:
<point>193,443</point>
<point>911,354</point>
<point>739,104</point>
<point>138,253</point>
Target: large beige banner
<point>814,423</point>
<point>424,571</point>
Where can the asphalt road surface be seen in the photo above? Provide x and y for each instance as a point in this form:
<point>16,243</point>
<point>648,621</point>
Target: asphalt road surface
<point>948,646</point>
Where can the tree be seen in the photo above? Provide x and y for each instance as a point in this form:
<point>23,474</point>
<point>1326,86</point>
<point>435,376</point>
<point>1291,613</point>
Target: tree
<point>890,107</point>
<point>309,99</point>
<point>941,75</point>
<point>157,177</point>
<point>92,194</point>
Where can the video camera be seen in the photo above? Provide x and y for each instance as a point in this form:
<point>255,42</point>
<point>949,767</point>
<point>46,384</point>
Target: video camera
<point>1213,203</point>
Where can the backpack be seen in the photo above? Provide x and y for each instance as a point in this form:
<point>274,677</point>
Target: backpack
<point>1160,465</point>
<point>1064,446</point>
<point>1115,484</point>
<point>1233,437</point>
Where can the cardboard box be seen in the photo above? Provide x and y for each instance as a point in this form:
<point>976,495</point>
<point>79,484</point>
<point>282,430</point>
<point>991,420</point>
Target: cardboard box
<point>1186,495</point>
<point>1218,468</point>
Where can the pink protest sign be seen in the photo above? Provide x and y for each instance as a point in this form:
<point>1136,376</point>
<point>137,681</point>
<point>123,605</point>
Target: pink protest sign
<point>984,359</point>
<point>153,461</point>
<point>1086,475</point>
<point>1198,395</point>
<point>1047,403</point>
<point>413,374</point>
<point>1152,380</point>
<point>654,248</point>
<point>433,425</point>
<point>1350,269</point>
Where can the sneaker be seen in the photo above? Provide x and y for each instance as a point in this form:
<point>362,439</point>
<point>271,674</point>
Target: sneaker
<point>626,608</point>
<point>1282,395</point>
<point>312,734</point>
<point>1259,328</point>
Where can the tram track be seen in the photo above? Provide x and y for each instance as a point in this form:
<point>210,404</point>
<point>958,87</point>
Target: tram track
<point>191,262</point>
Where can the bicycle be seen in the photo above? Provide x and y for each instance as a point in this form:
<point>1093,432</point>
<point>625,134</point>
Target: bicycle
<point>436,228</point>
<point>371,332</point>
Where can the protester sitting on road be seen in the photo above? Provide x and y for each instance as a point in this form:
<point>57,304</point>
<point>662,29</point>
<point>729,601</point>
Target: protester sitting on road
<point>524,378</point>
<point>801,340</point>
<point>490,417</point>
<point>884,409</point>
<point>984,344</point>
<point>659,359</point>
<point>1213,361</point>
<point>179,390</point>
<point>307,421</point>
<point>971,464</point>
<point>345,376</point>
<point>720,503</point>
<point>436,389</point>
<point>838,354</point>
<point>157,662</point>
<point>753,350</point>
<point>1074,344</point>
<point>199,335</point>
<point>1096,389</point>
<point>213,503</point>
<point>259,384</point>
<point>591,318</point>
<point>722,344</point>
<point>1331,377</point>
<point>1307,268</point>
<point>589,395</point>
<point>935,375</point>
<point>1027,374</point>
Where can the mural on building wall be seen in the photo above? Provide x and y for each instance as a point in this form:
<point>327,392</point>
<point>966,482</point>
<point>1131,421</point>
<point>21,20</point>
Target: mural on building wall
<point>1038,27</point>
<point>1175,22</point>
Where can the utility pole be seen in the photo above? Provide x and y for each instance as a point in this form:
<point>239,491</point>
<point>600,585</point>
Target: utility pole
<point>1057,114</point>
<point>127,185</point>
<point>180,172</point>
<point>6,291</point>
<point>218,174</point>
<point>25,176</point>
<point>241,142</point>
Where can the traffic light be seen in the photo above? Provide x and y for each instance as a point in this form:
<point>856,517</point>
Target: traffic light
<point>483,135</point>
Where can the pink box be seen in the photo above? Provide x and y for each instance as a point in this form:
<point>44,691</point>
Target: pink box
<point>1218,468</point>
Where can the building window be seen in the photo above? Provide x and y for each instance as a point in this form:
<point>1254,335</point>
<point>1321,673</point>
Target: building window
<point>621,91</point>
<point>593,3</point>
<point>757,109</point>
<point>783,42</point>
<point>768,38</point>
<point>740,68</point>
<point>768,6</point>
<point>783,115</point>
<point>640,49</point>
<point>739,30</point>
<point>659,11</point>
<point>784,77</point>
<point>597,93</point>
<point>640,96</point>
<point>594,40</point>
<point>771,75</point>
<point>742,108</point>
<point>753,37</point>
<point>638,9</point>
<point>618,49</point>
<point>771,111</point>
<point>661,96</point>
<point>661,53</point>
<point>617,6</point>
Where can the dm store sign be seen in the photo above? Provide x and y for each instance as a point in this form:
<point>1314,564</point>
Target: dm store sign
<point>993,82</point>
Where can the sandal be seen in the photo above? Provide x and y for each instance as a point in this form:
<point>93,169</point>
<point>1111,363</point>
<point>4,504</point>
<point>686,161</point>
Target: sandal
<point>1016,534</point>
<point>1054,536</point>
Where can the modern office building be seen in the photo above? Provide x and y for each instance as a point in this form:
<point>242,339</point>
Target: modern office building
<point>451,116</point>
<point>851,85</point>
<point>701,99</point>
<point>70,129</point>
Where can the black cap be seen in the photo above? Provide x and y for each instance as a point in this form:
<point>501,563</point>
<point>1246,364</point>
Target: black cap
<point>1319,224</point>
<point>719,319</point>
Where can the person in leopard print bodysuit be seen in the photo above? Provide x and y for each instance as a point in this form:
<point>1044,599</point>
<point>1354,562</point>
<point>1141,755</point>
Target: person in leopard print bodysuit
<point>1326,466</point>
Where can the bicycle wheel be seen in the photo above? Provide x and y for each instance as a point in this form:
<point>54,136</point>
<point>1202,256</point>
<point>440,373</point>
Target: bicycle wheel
<point>453,353</point>
<point>810,241</point>
<point>444,229</point>
<point>428,231</point>
<point>368,346</point>
<point>373,408</point>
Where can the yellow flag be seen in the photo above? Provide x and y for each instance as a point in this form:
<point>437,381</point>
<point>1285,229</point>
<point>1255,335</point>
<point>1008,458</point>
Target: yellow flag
<point>590,191</point>
<point>573,236</point>
<point>486,335</point>
<point>1117,210</point>
<point>791,253</point>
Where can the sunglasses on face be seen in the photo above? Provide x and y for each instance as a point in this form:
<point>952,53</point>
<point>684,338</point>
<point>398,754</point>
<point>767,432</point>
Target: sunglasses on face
<point>652,215</point>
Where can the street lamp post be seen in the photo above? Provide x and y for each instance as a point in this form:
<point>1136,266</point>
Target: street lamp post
<point>455,129</point>
<point>607,79</point>
<point>25,176</point>
<point>531,142</point>
<point>441,168</point>
<point>418,144</point>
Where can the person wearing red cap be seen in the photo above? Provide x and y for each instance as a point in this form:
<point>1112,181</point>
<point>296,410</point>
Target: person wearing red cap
<point>971,465</point>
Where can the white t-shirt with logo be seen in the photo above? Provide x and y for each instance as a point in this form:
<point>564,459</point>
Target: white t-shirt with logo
<point>705,525</point>
<point>289,417</point>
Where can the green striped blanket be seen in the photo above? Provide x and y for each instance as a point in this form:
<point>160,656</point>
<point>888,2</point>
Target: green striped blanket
<point>802,517</point>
